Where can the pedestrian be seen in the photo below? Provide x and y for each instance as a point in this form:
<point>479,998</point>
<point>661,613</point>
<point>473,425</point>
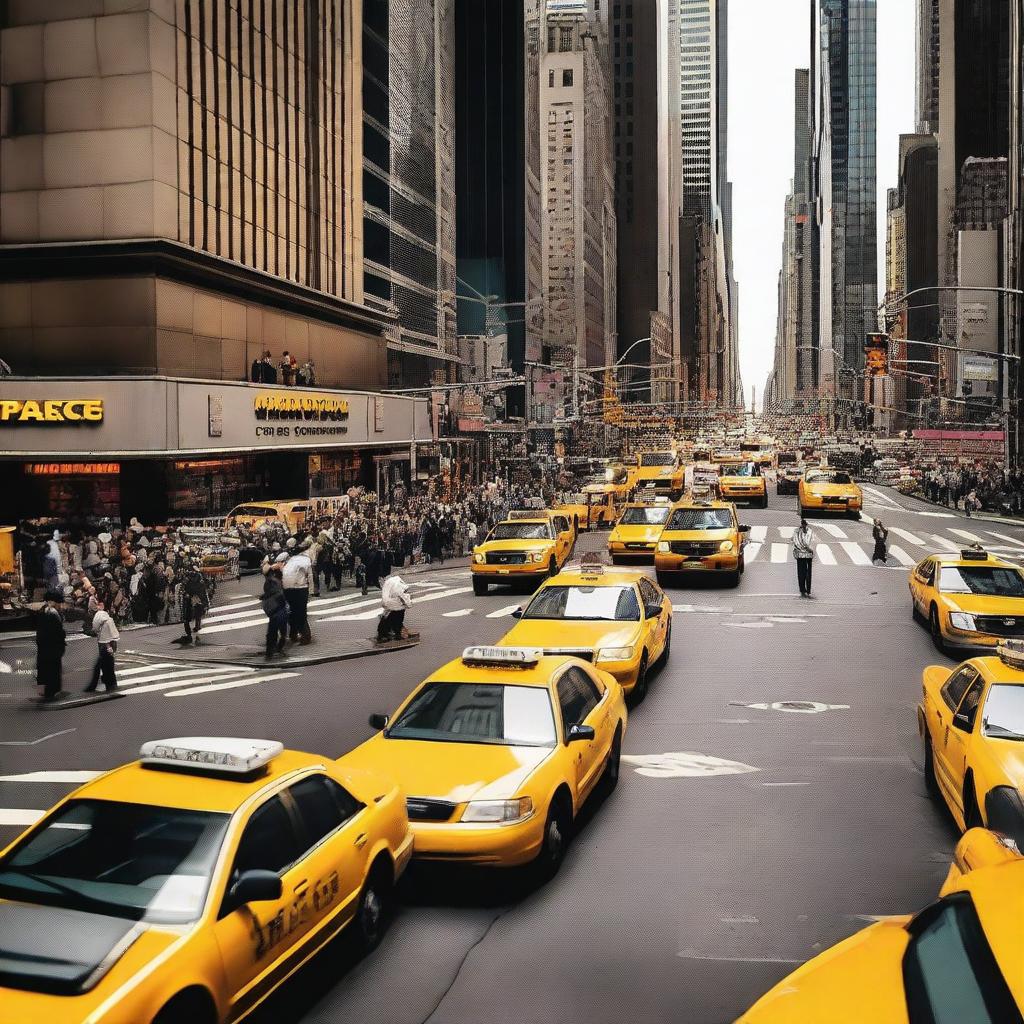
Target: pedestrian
<point>269,375</point>
<point>51,643</point>
<point>803,551</point>
<point>275,607</point>
<point>972,503</point>
<point>106,634</point>
<point>287,369</point>
<point>195,602</point>
<point>394,597</point>
<point>881,536</point>
<point>296,577</point>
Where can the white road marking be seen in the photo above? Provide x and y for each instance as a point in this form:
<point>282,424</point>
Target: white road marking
<point>459,614</point>
<point>252,681</point>
<point>945,543</point>
<point>690,954</point>
<point>684,764</point>
<point>502,612</point>
<point>372,614</point>
<point>5,667</point>
<point>204,675</point>
<point>66,777</point>
<point>908,536</point>
<point>857,554</point>
<point>837,531</point>
<point>895,551</point>
<point>759,533</point>
<point>751,551</point>
<point>825,555</point>
<point>797,707</point>
<point>937,515</point>
<point>231,605</point>
<point>32,743</point>
<point>785,619</point>
<point>143,669</point>
<point>1015,541</point>
<point>967,535</point>
<point>19,816</point>
<point>780,553</point>
<point>750,625</point>
<point>886,499</point>
<point>786,532</point>
<point>785,783</point>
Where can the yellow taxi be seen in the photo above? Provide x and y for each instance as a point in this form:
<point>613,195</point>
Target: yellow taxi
<point>959,960</point>
<point>701,536</point>
<point>662,471</point>
<point>291,513</point>
<point>616,618</point>
<point>972,723</point>
<point>595,507</point>
<point>970,599</point>
<point>743,481</point>
<point>829,490</point>
<point>527,547</point>
<point>636,533</point>
<point>184,887</point>
<point>497,751</point>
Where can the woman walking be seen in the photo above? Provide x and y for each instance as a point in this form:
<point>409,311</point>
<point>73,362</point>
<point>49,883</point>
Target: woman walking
<point>881,536</point>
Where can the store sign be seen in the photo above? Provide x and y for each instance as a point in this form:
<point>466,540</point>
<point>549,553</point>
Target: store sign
<point>72,468</point>
<point>75,410</point>
<point>980,368</point>
<point>313,415</point>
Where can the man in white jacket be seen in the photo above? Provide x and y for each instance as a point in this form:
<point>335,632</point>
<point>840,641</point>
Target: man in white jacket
<point>394,596</point>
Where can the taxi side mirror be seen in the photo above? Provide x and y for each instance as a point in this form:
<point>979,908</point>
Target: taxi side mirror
<point>579,732</point>
<point>744,529</point>
<point>256,885</point>
<point>652,611</point>
<point>379,721</point>
<point>518,613</point>
<point>963,722</point>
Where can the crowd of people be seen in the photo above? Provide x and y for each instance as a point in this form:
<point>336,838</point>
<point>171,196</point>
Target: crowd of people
<point>976,486</point>
<point>289,371</point>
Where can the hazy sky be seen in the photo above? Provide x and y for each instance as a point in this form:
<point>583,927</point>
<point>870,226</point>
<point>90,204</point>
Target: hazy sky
<point>767,40</point>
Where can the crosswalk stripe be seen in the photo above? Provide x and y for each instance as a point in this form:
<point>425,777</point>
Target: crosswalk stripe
<point>945,543</point>
<point>66,777</point>
<point>363,616</point>
<point>967,535</point>
<point>236,603</point>
<point>142,669</point>
<point>458,614</point>
<point>908,536</point>
<point>786,532</point>
<point>825,555</point>
<point>1016,541</point>
<point>19,816</point>
<point>206,676</point>
<point>857,554</point>
<point>780,552</point>
<point>759,533</point>
<point>251,681</point>
<point>836,531</point>
<point>900,555</point>
<point>138,684</point>
<point>751,551</point>
<point>502,612</point>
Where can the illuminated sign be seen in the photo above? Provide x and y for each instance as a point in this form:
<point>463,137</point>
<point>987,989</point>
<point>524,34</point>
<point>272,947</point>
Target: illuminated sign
<point>72,468</point>
<point>285,405</point>
<point>63,410</point>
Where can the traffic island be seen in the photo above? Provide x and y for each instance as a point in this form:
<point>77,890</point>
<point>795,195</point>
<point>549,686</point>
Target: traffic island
<point>75,700</point>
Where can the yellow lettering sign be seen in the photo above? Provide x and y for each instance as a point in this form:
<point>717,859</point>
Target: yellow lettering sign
<point>51,410</point>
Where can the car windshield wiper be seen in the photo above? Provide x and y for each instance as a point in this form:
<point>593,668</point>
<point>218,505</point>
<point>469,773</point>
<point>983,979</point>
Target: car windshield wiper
<point>1002,732</point>
<point>66,890</point>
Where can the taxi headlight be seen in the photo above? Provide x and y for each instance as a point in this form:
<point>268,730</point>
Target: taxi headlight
<point>537,556</point>
<point>961,620</point>
<point>726,546</point>
<point>615,654</point>
<point>478,557</point>
<point>498,812</point>
<point>663,546</point>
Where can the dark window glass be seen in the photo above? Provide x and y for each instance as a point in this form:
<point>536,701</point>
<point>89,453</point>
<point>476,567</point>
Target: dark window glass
<point>567,77</point>
<point>269,841</point>
<point>972,698</point>
<point>323,805</point>
<point>577,696</point>
<point>956,686</point>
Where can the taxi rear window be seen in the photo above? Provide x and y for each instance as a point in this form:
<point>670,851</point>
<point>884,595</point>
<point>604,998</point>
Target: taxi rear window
<point>700,519</point>
<point>829,478</point>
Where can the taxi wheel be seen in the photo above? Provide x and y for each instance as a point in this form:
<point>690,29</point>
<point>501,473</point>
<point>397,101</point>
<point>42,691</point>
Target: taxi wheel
<point>479,587</point>
<point>936,630</point>
<point>640,686</point>
<point>616,560</point>
<point>667,651</point>
<point>371,918</point>
<point>930,782</point>
<point>557,831</point>
<point>972,816</point>
<point>552,567</point>
<point>733,578</point>
<point>190,1007</point>
<point>610,776</point>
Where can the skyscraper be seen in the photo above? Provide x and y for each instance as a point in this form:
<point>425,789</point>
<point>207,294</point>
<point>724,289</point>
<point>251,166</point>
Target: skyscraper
<point>844,144</point>
<point>927,53</point>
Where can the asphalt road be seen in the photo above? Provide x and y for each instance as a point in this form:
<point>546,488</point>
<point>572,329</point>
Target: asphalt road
<point>699,883</point>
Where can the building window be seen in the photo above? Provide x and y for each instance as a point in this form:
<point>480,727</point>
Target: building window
<point>565,38</point>
<point>551,39</point>
<point>551,78</point>
<point>567,77</point>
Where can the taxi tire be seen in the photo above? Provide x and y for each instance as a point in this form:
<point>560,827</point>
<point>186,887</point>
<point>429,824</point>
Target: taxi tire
<point>557,833</point>
<point>193,1006</point>
<point>931,784</point>
<point>552,567</point>
<point>610,775</point>
<point>936,630</point>
<point>639,691</point>
<point>666,651</point>
<point>479,587</point>
<point>732,579</point>
<point>972,813</point>
<point>374,908</point>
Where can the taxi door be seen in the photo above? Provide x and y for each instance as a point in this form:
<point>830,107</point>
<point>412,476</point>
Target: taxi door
<point>656,625</point>
<point>958,738</point>
<point>920,579</point>
<point>582,703</point>
<point>563,536</point>
<point>946,749</point>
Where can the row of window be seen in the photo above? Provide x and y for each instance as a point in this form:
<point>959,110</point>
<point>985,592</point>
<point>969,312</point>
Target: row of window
<point>566,77</point>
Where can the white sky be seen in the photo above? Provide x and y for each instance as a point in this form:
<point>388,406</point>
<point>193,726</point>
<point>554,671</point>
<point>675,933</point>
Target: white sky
<point>767,40</point>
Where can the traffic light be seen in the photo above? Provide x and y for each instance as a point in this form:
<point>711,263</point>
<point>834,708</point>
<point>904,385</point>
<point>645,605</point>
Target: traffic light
<point>876,355</point>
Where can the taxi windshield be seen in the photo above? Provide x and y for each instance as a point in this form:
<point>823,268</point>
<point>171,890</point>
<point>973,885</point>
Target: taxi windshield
<point>829,478</point>
<point>737,469</point>
<point>990,580</point>
<point>657,459</point>
<point>644,516</point>
<point>700,519</point>
<point>125,860</point>
<point>521,531</point>
<point>596,604</point>
<point>1004,712</point>
<point>517,716</point>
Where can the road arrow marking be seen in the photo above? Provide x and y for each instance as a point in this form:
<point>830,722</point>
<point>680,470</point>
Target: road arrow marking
<point>684,764</point>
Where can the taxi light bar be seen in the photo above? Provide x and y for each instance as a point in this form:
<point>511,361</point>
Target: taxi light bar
<point>515,657</point>
<point>1011,652</point>
<point>218,753</point>
<point>525,513</point>
<point>974,554</point>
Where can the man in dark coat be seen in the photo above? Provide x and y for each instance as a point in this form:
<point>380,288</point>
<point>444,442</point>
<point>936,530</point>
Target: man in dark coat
<point>50,646</point>
<point>195,601</point>
<point>275,607</point>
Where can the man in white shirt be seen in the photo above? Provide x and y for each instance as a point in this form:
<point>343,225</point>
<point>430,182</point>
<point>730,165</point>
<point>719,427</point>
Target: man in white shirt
<point>296,576</point>
<point>394,596</point>
<point>106,641</point>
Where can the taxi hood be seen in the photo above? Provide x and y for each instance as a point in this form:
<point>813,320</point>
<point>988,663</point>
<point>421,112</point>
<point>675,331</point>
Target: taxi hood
<point>64,952</point>
<point>821,487</point>
<point>517,545</point>
<point>983,604</point>
<point>456,772</point>
<point>552,633</point>
<point>638,532</point>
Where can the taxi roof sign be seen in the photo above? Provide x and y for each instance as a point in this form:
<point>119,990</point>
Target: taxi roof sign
<point>527,513</point>
<point>1011,652</point>
<point>513,657</point>
<point>975,553</point>
<point>227,754</point>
